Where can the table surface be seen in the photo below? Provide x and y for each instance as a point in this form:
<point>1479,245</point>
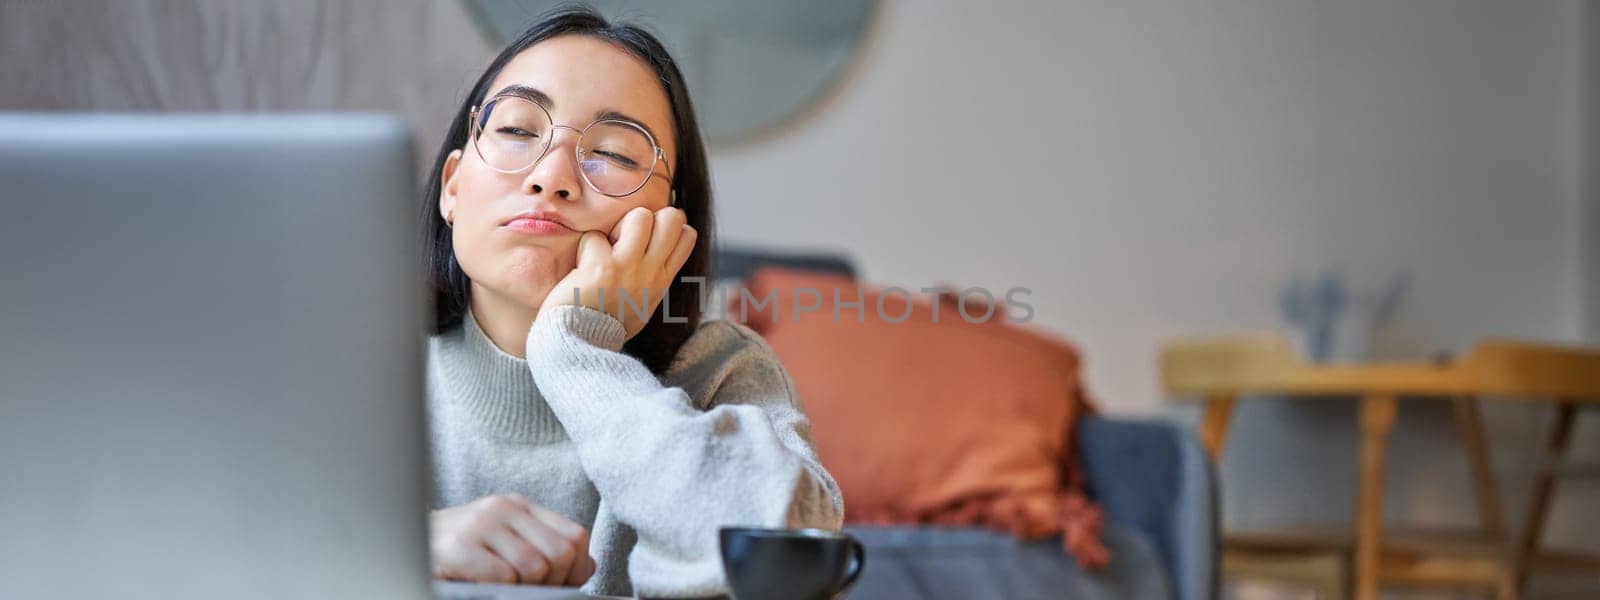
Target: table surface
<point>457,590</point>
<point>1264,363</point>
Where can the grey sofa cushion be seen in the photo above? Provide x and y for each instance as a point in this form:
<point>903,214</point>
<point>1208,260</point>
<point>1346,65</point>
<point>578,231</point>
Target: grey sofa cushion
<point>971,563</point>
<point>740,262</point>
<point>1153,477</point>
<point>732,265</point>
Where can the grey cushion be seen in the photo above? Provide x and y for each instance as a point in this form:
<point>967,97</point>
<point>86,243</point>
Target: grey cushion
<point>738,262</point>
<point>1153,477</point>
<point>968,563</point>
<point>732,265</point>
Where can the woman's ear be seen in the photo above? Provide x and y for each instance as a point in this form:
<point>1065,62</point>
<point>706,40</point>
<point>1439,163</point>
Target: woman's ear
<point>447,190</point>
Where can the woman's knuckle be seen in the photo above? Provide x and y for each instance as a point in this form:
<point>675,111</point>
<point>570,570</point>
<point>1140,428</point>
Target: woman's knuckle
<point>567,550</point>
<point>483,522</point>
<point>536,567</point>
<point>454,541</point>
<point>526,562</point>
<point>500,573</point>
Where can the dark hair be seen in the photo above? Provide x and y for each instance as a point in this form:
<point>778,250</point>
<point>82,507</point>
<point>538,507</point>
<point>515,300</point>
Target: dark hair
<point>659,341</point>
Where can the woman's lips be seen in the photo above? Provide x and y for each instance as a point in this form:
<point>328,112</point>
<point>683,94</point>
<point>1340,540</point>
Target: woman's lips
<point>536,226</point>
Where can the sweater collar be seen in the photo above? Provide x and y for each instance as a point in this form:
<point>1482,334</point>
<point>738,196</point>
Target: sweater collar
<point>495,389</point>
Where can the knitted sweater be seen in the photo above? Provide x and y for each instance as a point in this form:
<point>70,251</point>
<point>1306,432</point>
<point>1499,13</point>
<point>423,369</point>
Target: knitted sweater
<point>652,466</point>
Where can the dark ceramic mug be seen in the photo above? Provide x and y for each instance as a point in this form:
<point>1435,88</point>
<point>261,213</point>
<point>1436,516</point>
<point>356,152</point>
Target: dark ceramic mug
<point>790,564</point>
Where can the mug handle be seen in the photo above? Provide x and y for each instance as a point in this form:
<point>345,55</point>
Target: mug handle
<point>858,561</point>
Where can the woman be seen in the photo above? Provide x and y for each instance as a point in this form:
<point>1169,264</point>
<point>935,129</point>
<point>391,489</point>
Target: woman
<point>579,440</point>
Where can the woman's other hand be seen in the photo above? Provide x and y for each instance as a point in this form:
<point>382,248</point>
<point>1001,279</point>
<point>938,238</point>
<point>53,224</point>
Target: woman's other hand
<point>636,262</point>
<point>507,539</point>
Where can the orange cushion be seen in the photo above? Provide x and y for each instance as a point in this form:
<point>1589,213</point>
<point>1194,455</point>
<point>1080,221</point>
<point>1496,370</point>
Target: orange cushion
<point>947,422</point>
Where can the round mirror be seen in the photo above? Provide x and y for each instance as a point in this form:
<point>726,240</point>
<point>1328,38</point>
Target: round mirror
<point>752,65</point>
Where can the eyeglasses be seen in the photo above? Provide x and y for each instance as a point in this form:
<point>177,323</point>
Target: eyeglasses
<point>615,157</point>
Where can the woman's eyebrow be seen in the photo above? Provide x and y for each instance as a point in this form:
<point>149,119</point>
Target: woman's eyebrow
<point>533,94</point>
<point>528,93</point>
<point>616,115</point>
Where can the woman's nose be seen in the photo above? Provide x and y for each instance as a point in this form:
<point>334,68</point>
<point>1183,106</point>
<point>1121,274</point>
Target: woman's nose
<point>557,171</point>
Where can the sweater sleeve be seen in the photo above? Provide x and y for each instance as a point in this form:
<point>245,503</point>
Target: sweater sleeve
<point>673,472</point>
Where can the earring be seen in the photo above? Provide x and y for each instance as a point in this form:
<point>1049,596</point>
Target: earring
<point>450,219</point>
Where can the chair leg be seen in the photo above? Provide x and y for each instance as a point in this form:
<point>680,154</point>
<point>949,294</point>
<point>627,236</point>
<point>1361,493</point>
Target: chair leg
<point>1469,426</point>
<point>1506,587</point>
<point>1377,420</point>
<point>1214,424</point>
<point>1544,487</point>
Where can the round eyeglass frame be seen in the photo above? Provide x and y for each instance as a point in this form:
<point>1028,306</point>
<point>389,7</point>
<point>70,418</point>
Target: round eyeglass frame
<point>659,158</point>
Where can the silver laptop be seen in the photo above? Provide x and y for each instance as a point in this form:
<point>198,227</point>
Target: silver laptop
<point>210,360</point>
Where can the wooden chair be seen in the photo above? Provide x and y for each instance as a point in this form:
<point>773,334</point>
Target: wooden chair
<point>1222,370</point>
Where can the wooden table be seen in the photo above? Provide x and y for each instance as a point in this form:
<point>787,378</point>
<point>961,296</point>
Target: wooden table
<point>1221,370</point>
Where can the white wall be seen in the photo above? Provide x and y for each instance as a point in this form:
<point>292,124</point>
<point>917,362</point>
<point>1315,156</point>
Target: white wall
<point>1154,170</point>
<point>1591,154</point>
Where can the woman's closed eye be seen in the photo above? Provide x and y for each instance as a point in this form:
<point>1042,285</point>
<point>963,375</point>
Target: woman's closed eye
<point>618,158</point>
<point>516,131</point>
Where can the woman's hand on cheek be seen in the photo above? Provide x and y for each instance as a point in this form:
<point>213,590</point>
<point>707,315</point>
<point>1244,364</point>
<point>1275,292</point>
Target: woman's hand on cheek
<point>627,273</point>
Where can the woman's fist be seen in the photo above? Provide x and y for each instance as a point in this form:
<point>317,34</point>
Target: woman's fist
<point>507,539</point>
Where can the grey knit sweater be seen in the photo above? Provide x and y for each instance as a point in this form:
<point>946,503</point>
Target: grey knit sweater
<point>651,466</point>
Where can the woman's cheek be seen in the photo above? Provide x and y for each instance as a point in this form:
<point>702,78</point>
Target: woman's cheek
<point>526,272</point>
<point>609,222</point>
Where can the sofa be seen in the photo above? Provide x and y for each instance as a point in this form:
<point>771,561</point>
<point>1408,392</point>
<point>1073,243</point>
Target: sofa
<point>1155,487</point>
